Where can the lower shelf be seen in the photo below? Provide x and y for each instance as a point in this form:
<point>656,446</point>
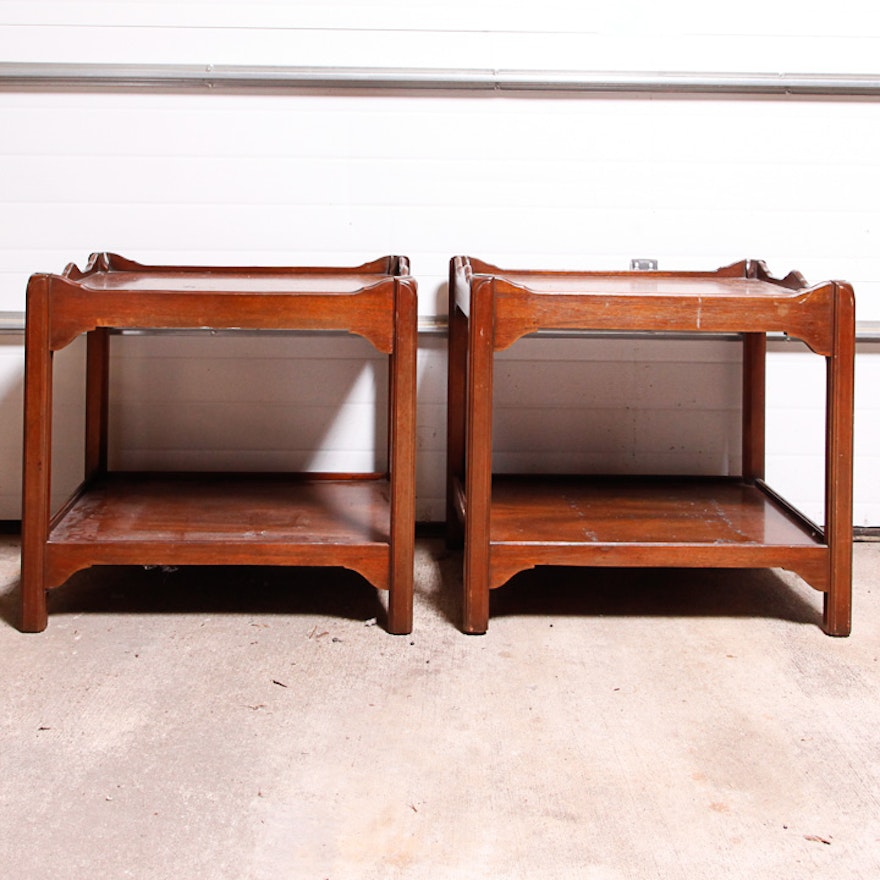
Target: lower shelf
<point>204,519</point>
<point>647,521</point>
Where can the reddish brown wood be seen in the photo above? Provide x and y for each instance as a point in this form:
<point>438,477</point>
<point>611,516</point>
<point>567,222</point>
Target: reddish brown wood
<point>690,303</point>
<point>362,522</point>
<point>402,458</point>
<point>456,403</point>
<point>687,522</point>
<point>114,292</point>
<point>511,524</point>
<point>478,461</point>
<point>223,519</point>
<point>839,465</point>
<point>753,404</point>
<point>97,401</point>
<point>37,459</point>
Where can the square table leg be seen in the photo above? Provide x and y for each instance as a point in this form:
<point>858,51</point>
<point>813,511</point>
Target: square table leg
<point>37,464</point>
<point>839,402</point>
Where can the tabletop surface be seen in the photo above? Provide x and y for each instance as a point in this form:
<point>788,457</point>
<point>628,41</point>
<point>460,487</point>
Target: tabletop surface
<point>590,284</point>
<point>263,282</point>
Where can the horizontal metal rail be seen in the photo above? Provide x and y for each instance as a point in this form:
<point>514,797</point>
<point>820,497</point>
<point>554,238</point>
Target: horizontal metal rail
<point>42,75</point>
<point>102,76</point>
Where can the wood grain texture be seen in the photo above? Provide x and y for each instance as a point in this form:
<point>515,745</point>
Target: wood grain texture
<point>510,525</point>
<point>361,521</point>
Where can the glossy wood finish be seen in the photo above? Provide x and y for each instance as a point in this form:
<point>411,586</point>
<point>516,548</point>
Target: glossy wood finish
<point>181,519</point>
<point>513,523</point>
<point>362,522</point>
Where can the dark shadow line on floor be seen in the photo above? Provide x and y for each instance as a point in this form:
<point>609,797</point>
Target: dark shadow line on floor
<point>295,590</point>
<point>636,592</point>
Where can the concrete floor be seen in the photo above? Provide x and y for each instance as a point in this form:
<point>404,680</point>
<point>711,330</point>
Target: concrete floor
<point>613,724</point>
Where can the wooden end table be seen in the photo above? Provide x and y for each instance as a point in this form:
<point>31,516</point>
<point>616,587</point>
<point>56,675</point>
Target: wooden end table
<point>510,523</point>
<point>365,522</point>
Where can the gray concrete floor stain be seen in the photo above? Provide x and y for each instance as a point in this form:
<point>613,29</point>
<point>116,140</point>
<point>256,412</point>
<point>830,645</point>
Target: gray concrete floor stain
<point>259,723</point>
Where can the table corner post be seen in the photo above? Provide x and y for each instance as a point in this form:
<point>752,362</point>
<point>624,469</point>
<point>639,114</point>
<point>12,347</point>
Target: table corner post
<point>840,396</point>
<point>97,394</point>
<point>401,464</point>
<point>478,445</point>
<point>37,454</point>
<point>754,405</point>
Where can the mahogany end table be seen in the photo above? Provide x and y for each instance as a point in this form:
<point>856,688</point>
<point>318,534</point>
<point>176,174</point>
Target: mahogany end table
<point>509,523</point>
<point>365,522</point>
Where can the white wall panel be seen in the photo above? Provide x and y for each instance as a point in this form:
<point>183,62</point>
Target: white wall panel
<point>202,402</point>
<point>11,403</point>
<point>248,403</point>
<point>618,406</point>
<point>795,429</point>
<point>637,35</point>
<point>549,180</point>
<point>67,449</point>
<point>748,17</point>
